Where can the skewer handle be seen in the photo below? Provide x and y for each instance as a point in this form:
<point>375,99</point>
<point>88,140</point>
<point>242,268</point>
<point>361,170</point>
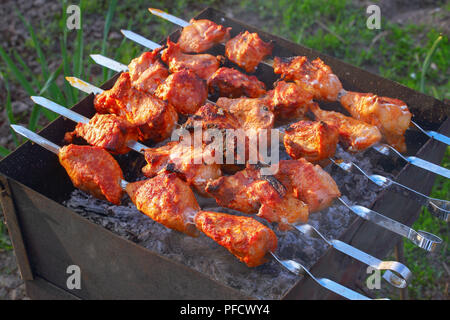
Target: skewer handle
<point>83,85</point>
<point>433,134</point>
<point>422,239</point>
<point>109,63</point>
<point>298,269</point>
<point>418,162</point>
<point>36,138</point>
<point>439,208</point>
<point>393,267</point>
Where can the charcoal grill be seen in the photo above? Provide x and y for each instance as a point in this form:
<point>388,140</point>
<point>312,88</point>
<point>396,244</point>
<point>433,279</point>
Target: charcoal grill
<point>48,236</point>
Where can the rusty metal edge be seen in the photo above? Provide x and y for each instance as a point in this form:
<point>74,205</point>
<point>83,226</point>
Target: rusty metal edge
<point>13,226</point>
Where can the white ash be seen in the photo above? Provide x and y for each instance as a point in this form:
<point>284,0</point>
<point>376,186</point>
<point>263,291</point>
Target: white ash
<point>269,281</point>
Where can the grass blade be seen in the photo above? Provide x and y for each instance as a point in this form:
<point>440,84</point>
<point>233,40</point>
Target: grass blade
<point>9,111</point>
<point>427,61</point>
<point>109,16</point>
<point>17,73</point>
<point>4,152</point>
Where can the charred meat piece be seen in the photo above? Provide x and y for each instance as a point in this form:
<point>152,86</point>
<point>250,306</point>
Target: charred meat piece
<point>355,135</point>
<point>391,116</point>
<point>231,83</point>
<point>93,170</point>
<point>251,113</point>
<point>147,72</point>
<point>167,200</point>
<point>246,238</point>
<point>184,90</point>
<point>308,182</point>
<point>312,140</point>
<point>212,116</point>
<point>247,191</point>
<point>247,50</point>
<point>154,118</point>
<point>289,100</point>
<point>201,35</point>
<point>183,160</point>
<point>314,76</point>
<point>106,131</point>
<point>204,65</point>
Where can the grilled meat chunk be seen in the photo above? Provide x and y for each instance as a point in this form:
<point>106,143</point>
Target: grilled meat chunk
<point>312,140</point>
<point>93,170</point>
<point>289,100</point>
<point>247,50</point>
<point>154,117</point>
<point>355,135</point>
<point>147,72</point>
<point>204,65</point>
<point>184,90</point>
<point>246,238</point>
<point>251,113</point>
<point>313,76</point>
<point>182,160</point>
<point>249,192</point>
<point>391,116</point>
<point>231,83</point>
<point>201,35</point>
<point>167,200</point>
<point>106,131</point>
<point>308,182</point>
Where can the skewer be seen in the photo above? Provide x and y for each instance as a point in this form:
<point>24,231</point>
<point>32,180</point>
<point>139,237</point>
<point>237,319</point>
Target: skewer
<point>385,150</point>
<point>390,266</point>
<point>422,239</point>
<point>182,23</point>
<point>65,112</point>
<point>293,266</point>
<point>439,208</point>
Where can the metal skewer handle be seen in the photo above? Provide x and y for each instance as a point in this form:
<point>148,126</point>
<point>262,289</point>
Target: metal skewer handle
<point>385,150</point>
<point>433,134</point>
<point>298,269</point>
<point>393,267</point>
<point>69,114</point>
<point>439,208</point>
<point>422,239</point>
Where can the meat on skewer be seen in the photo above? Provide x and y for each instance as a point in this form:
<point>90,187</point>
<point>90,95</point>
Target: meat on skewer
<point>354,135</point>
<point>289,101</point>
<point>308,182</point>
<point>247,191</point>
<point>93,170</point>
<point>201,35</point>
<point>204,65</point>
<point>106,131</point>
<point>154,118</point>
<point>184,90</point>
<point>147,73</point>
<point>312,140</point>
<point>313,76</point>
<point>246,238</point>
<point>231,83</point>
<point>168,200</point>
<point>391,116</point>
<point>247,50</point>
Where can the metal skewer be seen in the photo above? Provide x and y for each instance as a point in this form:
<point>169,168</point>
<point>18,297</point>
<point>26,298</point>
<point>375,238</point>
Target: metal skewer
<point>404,273</point>
<point>394,280</point>
<point>422,239</point>
<point>291,265</point>
<point>182,23</point>
<point>65,112</point>
<point>439,208</point>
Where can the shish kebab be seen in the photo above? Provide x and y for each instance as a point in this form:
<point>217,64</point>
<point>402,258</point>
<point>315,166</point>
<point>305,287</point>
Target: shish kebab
<point>195,29</point>
<point>354,134</point>
<point>246,238</point>
<point>266,211</point>
<point>356,101</point>
<point>304,228</point>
